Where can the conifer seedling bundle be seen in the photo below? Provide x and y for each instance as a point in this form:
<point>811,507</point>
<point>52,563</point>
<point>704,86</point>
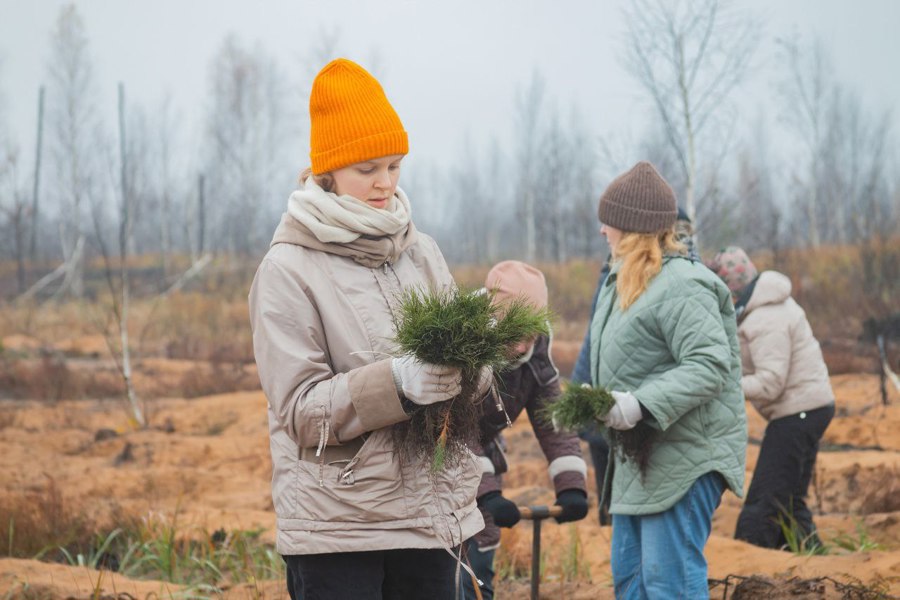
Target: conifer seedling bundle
<point>464,329</point>
<point>579,407</point>
<point>583,407</point>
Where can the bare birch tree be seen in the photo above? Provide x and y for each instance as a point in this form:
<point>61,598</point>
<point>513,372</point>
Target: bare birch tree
<point>73,131</point>
<point>553,189</point>
<point>15,210</point>
<point>689,56</point>
<point>842,177</point>
<point>807,92</point>
<point>585,190</point>
<point>166,188</point>
<point>13,206</point>
<point>479,193</point>
<point>758,218</point>
<point>36,183</point>
<point>248,130</point>
<point>126,229</point>
<point>856,161</point>
<point>467,189</point>
<point>497,200</point>
<point>528,123</point>
<point>120,207</point>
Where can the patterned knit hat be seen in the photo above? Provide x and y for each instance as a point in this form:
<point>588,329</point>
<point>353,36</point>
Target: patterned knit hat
<point>351,118</point>
<point>734,267</point>
<point>639,200</point>
<point>513,279</point>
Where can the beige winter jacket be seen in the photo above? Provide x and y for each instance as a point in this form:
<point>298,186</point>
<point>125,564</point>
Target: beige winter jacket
<point>322,320</point>
<point>784,371</point>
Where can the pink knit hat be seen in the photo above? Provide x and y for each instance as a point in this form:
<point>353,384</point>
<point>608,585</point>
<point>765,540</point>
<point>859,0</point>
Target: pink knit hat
<point>513,279</point>
<point>734,267</point>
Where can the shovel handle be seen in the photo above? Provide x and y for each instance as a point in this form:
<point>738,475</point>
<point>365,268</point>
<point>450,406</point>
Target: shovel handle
<point>539,512</point>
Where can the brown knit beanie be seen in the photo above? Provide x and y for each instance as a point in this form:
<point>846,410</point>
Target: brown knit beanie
<point>639,201</point>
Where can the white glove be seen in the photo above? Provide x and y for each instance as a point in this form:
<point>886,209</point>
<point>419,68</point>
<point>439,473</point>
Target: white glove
<point>424,383</point>
<point>625,413</point>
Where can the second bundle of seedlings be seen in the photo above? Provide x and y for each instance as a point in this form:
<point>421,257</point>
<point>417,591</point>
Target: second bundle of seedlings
<point>583,407</point>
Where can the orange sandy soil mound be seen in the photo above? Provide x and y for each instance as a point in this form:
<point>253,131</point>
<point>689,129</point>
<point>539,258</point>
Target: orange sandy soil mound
<point>208,459</point>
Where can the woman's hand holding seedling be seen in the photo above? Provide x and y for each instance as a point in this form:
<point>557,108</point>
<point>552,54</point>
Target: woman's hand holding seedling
<point>580,406</point>
<point>465,332</point>
<point>625,413</point>
<point>425,383</point>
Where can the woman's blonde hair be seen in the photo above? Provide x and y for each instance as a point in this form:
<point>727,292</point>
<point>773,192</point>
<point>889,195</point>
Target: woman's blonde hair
<point>641,255</point>
<point>323,180</point>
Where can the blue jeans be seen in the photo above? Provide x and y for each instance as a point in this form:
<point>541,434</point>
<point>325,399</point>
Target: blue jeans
<point>482,564</point>
<point>660,556</point>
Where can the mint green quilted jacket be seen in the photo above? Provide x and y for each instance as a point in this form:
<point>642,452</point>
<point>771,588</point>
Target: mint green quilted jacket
<point>676,350</point>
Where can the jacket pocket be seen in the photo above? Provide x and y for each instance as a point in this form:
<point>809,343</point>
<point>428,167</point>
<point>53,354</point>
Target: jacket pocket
<point>365,488</point>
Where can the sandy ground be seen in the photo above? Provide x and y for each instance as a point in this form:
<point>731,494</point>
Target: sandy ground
<point>207,460</point>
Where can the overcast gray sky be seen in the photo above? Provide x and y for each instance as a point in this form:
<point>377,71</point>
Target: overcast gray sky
<point>451,68</point>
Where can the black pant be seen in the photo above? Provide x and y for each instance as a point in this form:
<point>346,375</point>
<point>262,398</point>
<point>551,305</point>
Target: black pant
<point>409,574</point>
<point>781,480</point>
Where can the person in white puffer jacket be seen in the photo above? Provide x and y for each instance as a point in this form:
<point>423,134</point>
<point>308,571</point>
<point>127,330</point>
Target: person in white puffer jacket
<point>786,380</point>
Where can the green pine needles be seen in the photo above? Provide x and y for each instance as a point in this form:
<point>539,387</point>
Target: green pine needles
<point>582,407</point>
<point>579,407</point>
<point>464,329</point>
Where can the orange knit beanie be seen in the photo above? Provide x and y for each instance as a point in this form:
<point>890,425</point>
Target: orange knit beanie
<point>351,118</point>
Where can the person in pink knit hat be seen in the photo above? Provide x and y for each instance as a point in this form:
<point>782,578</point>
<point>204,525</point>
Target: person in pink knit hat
<point>528,387</point>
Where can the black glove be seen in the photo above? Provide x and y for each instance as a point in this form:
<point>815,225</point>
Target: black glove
<point>504,512</point>
<point>574,505</point>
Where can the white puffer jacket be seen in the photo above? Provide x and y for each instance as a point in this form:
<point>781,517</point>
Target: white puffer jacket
<point>784,372</point>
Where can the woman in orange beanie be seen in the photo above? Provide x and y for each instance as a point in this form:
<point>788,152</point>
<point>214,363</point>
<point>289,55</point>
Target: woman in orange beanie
<point>356,519</point>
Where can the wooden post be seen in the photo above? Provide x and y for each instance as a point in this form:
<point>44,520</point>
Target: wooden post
<point>32,250</point>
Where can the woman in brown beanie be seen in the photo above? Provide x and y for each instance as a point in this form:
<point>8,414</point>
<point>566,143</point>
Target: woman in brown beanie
<point>786,380</point>
<point>355,518</point>
<point>663,342</point>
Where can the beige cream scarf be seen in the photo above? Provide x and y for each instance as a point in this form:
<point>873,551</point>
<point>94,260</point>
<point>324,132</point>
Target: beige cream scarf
<point>345,226</point>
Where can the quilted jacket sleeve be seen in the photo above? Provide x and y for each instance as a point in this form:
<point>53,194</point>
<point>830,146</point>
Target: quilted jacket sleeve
<point>690,320</point>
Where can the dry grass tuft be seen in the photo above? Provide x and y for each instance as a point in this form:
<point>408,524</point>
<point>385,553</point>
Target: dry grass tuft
<point>40,520</point>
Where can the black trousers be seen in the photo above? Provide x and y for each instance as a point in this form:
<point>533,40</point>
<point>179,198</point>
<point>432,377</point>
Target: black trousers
<point>409,574</point>
<point>781,479</point>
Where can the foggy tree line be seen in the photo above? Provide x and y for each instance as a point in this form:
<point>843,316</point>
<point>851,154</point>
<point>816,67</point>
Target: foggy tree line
<point>828,175</point>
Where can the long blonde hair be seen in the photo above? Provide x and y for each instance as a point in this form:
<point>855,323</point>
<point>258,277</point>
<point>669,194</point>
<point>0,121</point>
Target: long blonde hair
<point>641,255</point>
<point>323,180</point>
